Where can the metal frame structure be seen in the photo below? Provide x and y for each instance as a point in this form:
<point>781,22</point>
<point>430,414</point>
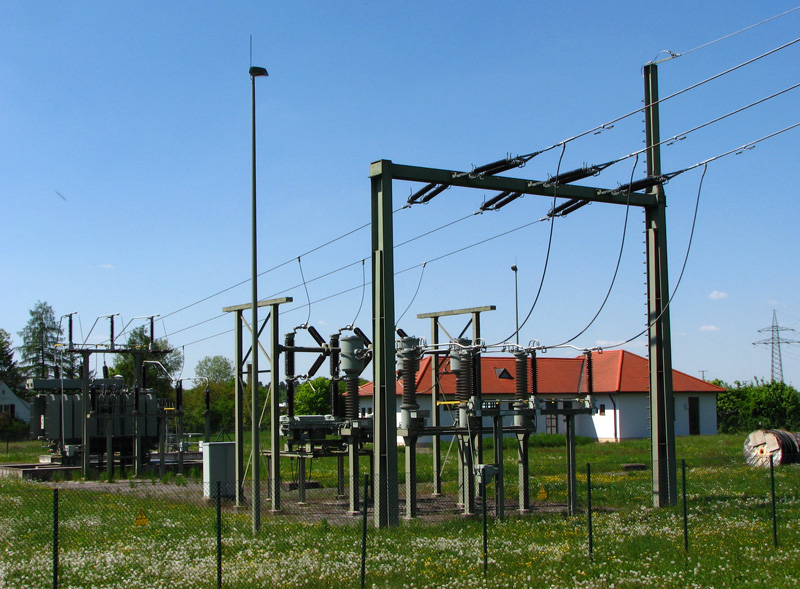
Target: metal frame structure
<point>274,412</point>
<point>382,174</point>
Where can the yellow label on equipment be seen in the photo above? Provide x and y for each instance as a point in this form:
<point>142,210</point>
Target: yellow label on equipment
<point>141,519</point>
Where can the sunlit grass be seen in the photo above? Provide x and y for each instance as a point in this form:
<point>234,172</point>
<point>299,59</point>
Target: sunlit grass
<point>729,525</point>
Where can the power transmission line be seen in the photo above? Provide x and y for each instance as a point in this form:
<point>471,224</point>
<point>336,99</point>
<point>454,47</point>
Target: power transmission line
<point>775,341</point>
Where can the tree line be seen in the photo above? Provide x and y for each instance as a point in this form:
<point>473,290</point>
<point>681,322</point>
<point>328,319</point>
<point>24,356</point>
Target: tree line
<point>748,406</point>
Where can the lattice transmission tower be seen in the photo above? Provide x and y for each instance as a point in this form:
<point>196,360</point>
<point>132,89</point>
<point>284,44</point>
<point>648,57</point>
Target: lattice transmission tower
<point>775,340</point>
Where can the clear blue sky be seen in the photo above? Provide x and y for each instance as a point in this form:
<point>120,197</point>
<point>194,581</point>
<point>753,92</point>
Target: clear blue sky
<point>138,114</point>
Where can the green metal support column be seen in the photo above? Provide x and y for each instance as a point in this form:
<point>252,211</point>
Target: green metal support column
<point>241,358</point>
<point>435,395</point>
<point>86,463</point>
<point>238,426</point>
<point>662,409</point>
<point>274,406</point>
<point>386,507</point>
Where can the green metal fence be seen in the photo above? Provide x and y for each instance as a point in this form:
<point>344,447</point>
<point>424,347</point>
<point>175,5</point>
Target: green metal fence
<point>738,525</point>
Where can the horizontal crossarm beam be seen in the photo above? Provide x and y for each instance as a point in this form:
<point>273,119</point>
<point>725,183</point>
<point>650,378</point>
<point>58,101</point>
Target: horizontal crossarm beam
<point>501,183</point>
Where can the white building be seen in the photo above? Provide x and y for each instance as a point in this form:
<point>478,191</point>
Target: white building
<point>620,382</point>
<point>11,404</point>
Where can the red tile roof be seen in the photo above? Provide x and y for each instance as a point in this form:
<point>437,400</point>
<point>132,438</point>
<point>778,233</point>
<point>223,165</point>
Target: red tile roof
<point>616,371</point>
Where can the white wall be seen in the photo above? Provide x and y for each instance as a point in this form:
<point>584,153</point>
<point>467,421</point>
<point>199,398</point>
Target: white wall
<point>632,415</point>
<point>22,410</point>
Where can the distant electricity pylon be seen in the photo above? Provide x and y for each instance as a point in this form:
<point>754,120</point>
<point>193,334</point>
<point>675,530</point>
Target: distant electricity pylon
<point>775,341</point>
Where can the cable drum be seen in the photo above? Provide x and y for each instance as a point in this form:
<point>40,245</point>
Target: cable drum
<point>783,446</point>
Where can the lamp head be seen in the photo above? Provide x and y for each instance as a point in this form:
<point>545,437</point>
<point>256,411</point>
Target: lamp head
<point>256,71</point>
<point>514,267</point>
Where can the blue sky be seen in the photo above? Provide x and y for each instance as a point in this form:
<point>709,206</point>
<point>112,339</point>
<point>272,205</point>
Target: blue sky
<point>138,114</point>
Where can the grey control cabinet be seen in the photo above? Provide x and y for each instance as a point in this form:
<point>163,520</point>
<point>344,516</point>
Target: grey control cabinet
<point>219,466</point>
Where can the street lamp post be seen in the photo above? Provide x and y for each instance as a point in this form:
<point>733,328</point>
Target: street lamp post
<point>256,450</point>
<point>516,303</point>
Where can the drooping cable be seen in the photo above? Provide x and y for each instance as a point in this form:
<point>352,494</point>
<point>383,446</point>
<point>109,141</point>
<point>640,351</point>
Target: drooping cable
<point>680,276</point>
<point>363,291</point>
<point>416,292</point>
<point>267,271</point>
<point>399,272</point>
<point>547,254</point>
<point>308,298</point>
<point>616,268</point>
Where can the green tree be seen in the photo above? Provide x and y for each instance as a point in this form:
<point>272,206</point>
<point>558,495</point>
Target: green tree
<point>215,368</point>
<point>39,338</point>
<point>222,406</point>
<point>12,429</point>
<point>219,372</point>
<point>156,378</point>
<point>313,397</point>
<point>9,371</point>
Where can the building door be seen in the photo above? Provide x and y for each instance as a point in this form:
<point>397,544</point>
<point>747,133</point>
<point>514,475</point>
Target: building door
<point>694,416</point>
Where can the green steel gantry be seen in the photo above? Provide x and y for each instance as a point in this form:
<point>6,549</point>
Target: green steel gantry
<point>662,430</point>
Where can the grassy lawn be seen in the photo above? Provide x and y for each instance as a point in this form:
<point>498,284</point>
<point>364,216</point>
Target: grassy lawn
<point>729,523</point>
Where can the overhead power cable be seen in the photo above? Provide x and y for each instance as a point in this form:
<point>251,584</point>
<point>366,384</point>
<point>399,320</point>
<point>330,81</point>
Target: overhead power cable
<point>432,189</point>
<point>321,276</point>
<point>673,55</point>
<point>276,267</point>
<point>737,151</point>
<point>683,268</point>
<point>616,268</point>
<point>547,254</point>
<point>398,273</point>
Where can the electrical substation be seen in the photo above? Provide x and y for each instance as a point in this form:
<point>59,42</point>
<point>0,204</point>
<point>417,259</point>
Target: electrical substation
<point>349,434</point>
<point>102,424</point>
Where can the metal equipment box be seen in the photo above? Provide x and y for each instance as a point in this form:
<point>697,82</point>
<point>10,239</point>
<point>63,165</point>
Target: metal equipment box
<point>219,469</point>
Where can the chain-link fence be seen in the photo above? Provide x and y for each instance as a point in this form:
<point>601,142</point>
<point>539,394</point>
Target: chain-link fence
<point>731,525</point>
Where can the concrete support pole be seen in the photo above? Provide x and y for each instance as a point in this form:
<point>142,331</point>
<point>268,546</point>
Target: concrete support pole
<point>523,470</point>
<point>662,410</point>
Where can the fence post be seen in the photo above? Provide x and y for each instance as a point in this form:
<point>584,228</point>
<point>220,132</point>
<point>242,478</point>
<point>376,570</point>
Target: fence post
<point>485,529</point>
<point>774,512</point>
<point>589,508</point>
<point>685,512</point>
<point>55,538</point>
<point>219,534</point>
<point>364,533</point>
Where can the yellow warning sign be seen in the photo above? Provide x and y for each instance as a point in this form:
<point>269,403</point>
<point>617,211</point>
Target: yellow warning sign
<point>141,519</point>
<point>542,494</point>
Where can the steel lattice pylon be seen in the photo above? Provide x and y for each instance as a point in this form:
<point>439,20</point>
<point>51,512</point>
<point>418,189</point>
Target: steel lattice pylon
<point>775,341</point>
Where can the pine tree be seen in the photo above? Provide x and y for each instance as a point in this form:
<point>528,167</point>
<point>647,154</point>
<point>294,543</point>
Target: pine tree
<point>39,338</point>
<point>9,371</point>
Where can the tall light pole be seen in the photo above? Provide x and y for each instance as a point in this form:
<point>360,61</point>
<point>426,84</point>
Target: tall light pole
<point>256,460</point>
<point>516,302</point>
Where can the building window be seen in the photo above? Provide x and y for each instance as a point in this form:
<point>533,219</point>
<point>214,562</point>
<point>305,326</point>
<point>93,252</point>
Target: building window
<point>9,409</point>
<point>602,410</point>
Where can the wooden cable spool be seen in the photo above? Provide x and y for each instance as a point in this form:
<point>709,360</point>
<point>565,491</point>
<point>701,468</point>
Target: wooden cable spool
<point>783,446</point>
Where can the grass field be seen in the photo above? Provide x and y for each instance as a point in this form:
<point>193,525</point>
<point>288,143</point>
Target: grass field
<point>729,524</point>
